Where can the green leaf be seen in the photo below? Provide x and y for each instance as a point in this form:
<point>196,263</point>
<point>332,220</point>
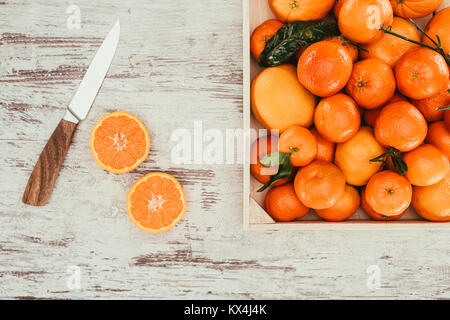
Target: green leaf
<point>290,37</point>
<point>283,161</point>
<point>443,108</point>
<point>395,155</point>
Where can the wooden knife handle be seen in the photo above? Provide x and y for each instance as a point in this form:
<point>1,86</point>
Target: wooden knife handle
<point>40,184</point>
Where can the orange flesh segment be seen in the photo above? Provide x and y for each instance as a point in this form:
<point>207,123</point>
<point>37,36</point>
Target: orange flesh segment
<point>156,202</point>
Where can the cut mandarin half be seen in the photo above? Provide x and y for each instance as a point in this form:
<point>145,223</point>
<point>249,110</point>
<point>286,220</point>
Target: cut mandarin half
<point>156,202</point>
<point>119,142</point>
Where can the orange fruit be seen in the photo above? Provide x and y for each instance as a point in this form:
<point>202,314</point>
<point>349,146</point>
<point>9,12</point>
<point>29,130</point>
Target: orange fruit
<point>388,193</point>
<point>371,115</point>
<point>337,7</point>
<point>324,68</point>
<point>371,84</point>
<point>421,73</point>
<point>262,147</point>
<point>433,202</point>
<point>337,118</point>
<point>375,215</point>
<point>344,208</point>
<point>360,20</point>
<point>275,89</point>
<point>319,185</point>
<point>439,25</point>
<point>353,157</point>
<point>429,106</point>
<point>390,48</point>
<point>300,10</point>
<point>427,165</point>
<point>263,33</point>
<point>400,125</point>
<point>352,49</point>
<point>156,202</point>
<point>447,119</point>
<point>301,143</point>
<point>439,136</point>
<point>119,142</point>
<point>414,8</point>
<point>325,148</point>
<point>283,204</point>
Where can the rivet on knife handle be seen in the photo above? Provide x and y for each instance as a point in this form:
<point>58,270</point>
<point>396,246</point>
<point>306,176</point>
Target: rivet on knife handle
<point>42,179</point>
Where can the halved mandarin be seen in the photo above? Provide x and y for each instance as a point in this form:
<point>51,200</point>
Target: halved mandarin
<point>156,202</point>
<point>119,142</point>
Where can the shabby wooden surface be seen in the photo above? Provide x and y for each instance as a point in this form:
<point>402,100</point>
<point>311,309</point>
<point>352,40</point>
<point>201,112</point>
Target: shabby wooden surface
<point>176,63</point>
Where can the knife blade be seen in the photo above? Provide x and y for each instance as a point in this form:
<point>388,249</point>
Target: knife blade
<point>43,177</point>
<point>90,85</point>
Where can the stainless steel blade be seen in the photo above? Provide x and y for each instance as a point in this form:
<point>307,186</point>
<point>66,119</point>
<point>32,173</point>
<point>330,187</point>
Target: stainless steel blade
<point>93,79</point>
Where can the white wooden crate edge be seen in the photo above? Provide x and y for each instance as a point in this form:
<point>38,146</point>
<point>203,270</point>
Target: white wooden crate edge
<point>254,216</point>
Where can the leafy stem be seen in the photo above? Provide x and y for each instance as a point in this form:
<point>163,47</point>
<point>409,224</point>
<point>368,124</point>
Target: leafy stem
<point>395,156</point>
<point>437,45</point>
<point>360,47</point>
<point>283,161</point>
<point>443,108</point>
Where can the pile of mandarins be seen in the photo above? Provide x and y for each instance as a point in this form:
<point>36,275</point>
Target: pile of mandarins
<point>363,117</point>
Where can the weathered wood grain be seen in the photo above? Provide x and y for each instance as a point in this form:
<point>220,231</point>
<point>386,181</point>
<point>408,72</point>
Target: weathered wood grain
<point>176,63</point>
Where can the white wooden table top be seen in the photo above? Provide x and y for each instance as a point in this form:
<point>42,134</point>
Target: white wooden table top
<point>177,62</point>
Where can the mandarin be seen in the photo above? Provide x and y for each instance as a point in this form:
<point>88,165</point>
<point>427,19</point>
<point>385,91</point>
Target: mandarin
<point>388,193</point>
<point>324,68</point>
<point>400,125</point>
<point>320,184</point>
<point>371,84</point>
<point>353,157</point>
<point>344,208</point>
<point>283,205</point>
<point>337,118</point>
<point>421,73</point>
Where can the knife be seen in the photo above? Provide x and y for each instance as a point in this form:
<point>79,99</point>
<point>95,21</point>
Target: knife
<point>42,179</point>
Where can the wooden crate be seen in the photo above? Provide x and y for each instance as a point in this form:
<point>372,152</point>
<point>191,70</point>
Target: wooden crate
<point>255,217</point>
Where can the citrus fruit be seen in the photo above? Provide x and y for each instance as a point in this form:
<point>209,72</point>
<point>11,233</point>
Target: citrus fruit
<point>375,215</point>
<point>300,10</point>
<point>319,185</point>
<point>439,25</point>
<point>414,8</point>
<point>360,20</point>
<point>447,119</point>
<point>324,68</point>
<point>300,143</point>
<point>371,115</point>
<point>388,193</point>
<point>427,165</point>
<point>119,142</point>
<point>325,148</point>
<point>261,35</point>
<point>433,202</point>
<point>400,125</point>
<point>283,204</point>
<point>156,202</point>
<point>344,208</point>
<point>371,84</point>
<point>439,136</point>
<point>429,106</point>
<point>275,89</point>
<point>337,118</point>
<point>353,157</point>
<point>337,7</point>
<point>390,48</point>
<point>260,148</point>
<point>351,48</point>
<point>421,73</point>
